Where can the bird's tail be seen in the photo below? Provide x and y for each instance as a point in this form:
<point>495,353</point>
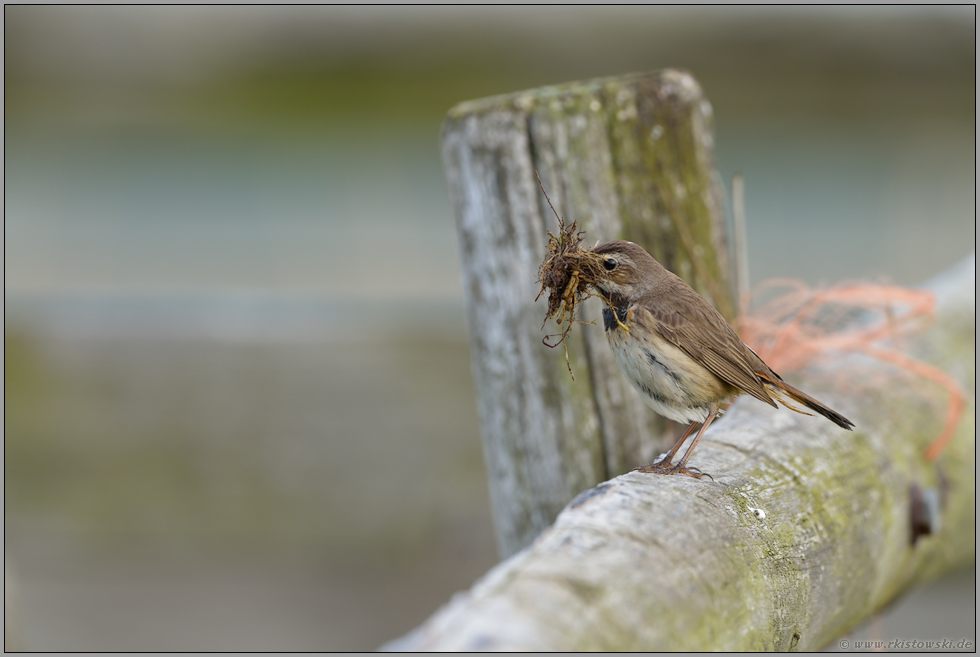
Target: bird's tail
<point>786,394</point>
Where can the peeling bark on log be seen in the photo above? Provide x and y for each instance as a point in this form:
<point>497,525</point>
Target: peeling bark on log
<point>804,533</point>
<point>628,158</point>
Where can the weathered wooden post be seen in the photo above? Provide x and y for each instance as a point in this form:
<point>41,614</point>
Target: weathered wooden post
<point>628,158</point>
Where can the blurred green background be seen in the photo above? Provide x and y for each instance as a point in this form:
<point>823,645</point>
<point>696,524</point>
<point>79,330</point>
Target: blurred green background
<point>238,407</point>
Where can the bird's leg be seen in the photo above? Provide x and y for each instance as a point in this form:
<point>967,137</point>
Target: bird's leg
<point>663,466</point>
<point>682,466</point>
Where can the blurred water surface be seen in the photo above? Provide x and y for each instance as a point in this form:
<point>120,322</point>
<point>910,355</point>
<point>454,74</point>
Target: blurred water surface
<point>237,389</point>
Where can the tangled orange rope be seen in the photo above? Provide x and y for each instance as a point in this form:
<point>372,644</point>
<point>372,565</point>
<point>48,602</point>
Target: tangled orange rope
<point>793,329</point>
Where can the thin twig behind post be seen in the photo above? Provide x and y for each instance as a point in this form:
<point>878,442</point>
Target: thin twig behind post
<point>628,158</point>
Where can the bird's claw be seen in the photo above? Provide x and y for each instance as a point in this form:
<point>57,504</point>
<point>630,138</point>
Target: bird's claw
<point>692,472</point>
<point>661,467</point>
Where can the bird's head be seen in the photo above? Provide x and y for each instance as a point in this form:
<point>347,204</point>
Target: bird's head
<point>627,271</point>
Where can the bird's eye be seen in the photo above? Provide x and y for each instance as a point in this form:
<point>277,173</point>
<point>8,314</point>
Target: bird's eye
<point>609,264</point>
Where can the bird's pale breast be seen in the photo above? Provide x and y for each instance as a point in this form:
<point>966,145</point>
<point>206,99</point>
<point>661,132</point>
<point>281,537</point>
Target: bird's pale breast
<point>669,381</point>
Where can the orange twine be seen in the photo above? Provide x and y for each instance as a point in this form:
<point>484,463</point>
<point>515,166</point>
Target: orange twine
<point>793,329</point>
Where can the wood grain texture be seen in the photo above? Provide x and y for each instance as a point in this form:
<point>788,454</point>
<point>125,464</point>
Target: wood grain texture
<point>803,534</point>
<point>628,158</point>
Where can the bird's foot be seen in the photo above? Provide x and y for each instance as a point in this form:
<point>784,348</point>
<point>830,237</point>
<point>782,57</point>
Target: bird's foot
<point>666,468</point>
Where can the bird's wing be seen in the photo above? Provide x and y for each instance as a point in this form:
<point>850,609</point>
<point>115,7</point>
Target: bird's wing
<point>704,335</point>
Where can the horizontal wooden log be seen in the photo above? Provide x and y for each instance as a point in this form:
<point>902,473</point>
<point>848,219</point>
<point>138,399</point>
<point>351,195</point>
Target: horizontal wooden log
<point>805,532</point>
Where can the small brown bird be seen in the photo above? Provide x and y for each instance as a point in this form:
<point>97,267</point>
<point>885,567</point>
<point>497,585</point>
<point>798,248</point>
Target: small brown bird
<point>679,352</point>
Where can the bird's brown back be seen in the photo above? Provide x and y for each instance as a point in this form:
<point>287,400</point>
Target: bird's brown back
<point>688,321</point>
